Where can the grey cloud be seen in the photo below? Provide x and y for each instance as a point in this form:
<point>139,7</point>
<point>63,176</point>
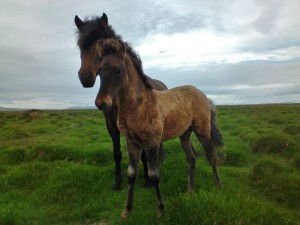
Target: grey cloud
<point>39,57</point>
<point>148,18</point>
<point>222,79</point>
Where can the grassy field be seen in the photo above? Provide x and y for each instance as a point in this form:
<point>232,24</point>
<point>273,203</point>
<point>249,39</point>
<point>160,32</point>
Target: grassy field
<point>56,167</point>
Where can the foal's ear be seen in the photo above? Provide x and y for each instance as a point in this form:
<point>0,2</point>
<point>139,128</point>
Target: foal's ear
<point>78,22</point>
<point>122,48</point>
<point>98,47</point>
<point>104,18</point>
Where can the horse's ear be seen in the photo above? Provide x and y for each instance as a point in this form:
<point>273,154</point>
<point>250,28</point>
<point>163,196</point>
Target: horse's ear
<point>104,18</point>
<point>99,48</point>
<point>78,22</point>
<point>122,48</point>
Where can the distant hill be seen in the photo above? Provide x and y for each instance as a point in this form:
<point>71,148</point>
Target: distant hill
<point>11,109</point>
<point>78,107</point>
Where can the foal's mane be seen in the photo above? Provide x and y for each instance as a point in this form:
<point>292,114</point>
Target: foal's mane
<point>95,29</point>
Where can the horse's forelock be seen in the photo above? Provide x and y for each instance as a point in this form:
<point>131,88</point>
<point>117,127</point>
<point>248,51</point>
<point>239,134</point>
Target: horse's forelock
<point>92,30</point>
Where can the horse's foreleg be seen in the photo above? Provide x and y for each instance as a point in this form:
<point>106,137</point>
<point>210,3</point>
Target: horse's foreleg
<point>190,157</point>
<point>134,153</point>
<point>152,156</point>
<point>115,136</point>
<point>117,159</point>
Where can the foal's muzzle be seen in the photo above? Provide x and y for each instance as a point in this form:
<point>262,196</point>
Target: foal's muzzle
<point>103,103</point>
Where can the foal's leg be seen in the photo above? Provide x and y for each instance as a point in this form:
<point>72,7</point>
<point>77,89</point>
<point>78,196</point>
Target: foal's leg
<point>114,133</point>
<point>161,158</point>
<point>210,155</point>
<point>148,183</point>
<point>152,156</point>
<point>190,157</point>
<point>134,153</point>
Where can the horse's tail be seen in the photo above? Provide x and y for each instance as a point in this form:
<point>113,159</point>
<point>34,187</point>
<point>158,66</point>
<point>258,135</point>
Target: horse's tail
<point>215,134</point>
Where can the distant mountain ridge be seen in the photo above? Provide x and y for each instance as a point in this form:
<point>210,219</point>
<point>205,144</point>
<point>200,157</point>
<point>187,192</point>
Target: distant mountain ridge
<point>2,109</point>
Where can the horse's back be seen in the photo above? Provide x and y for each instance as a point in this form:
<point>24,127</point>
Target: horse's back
<point>156,84</point>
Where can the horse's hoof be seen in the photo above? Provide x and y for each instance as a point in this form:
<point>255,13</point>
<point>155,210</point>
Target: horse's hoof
<point>148,184</point>
<point>190,191</point>
<point>116,187</point>
<point>124,214</point>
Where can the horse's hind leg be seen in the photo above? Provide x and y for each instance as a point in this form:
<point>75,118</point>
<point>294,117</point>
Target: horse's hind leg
<point>210,155</point>
<point>153,158</point>
<point>186,144</point>
<point>134,153</point>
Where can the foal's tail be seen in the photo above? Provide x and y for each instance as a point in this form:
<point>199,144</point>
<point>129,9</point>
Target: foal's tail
<point>216,136</point>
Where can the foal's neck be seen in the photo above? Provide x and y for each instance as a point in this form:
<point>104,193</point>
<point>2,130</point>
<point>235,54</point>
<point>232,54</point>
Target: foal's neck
<point>134,93</point>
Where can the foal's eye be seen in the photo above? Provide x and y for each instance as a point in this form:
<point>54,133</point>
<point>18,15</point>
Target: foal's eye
<point>118,72</point>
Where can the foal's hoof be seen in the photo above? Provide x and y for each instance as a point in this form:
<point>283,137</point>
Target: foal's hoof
<point>160,211</point>
<point>124,214</point>
<point>159,214</point>
<point>219,186</point>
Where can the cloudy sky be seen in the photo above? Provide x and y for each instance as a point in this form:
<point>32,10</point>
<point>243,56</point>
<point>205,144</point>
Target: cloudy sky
<point>237,52</point>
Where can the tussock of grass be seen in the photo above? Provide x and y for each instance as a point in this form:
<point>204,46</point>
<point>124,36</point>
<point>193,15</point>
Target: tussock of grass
<point>25,177</point>
<point>236,158</point>
<point>292,129</point>
<point>296,161</point>
<point>31,114</point>
<point>273,180</point>
<point>272,143</point>
<point>12,156</point>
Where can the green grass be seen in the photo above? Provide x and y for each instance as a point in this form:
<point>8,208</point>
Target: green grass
<point>56,167</point>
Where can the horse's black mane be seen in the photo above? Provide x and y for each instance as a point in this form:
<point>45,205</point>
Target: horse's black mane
<point>95,29</point>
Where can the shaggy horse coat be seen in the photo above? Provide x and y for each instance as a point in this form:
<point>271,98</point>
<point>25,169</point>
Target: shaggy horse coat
<point>148,117</point>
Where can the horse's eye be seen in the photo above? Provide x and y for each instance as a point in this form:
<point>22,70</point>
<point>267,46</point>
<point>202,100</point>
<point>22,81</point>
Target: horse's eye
<point>119,71</point>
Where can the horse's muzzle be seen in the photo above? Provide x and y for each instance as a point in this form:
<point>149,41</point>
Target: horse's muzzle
<point>102,106</point>
<point>87,80</point>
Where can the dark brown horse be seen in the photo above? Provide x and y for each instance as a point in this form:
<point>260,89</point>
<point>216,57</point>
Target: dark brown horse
<point>89,31</point>
<point>148,117</point>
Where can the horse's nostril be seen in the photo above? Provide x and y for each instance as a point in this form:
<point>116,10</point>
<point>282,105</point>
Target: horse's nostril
<point>103,106</point>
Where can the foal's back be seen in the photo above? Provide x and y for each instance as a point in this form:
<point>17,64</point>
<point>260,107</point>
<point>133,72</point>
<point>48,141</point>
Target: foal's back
<point>182,107</point>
